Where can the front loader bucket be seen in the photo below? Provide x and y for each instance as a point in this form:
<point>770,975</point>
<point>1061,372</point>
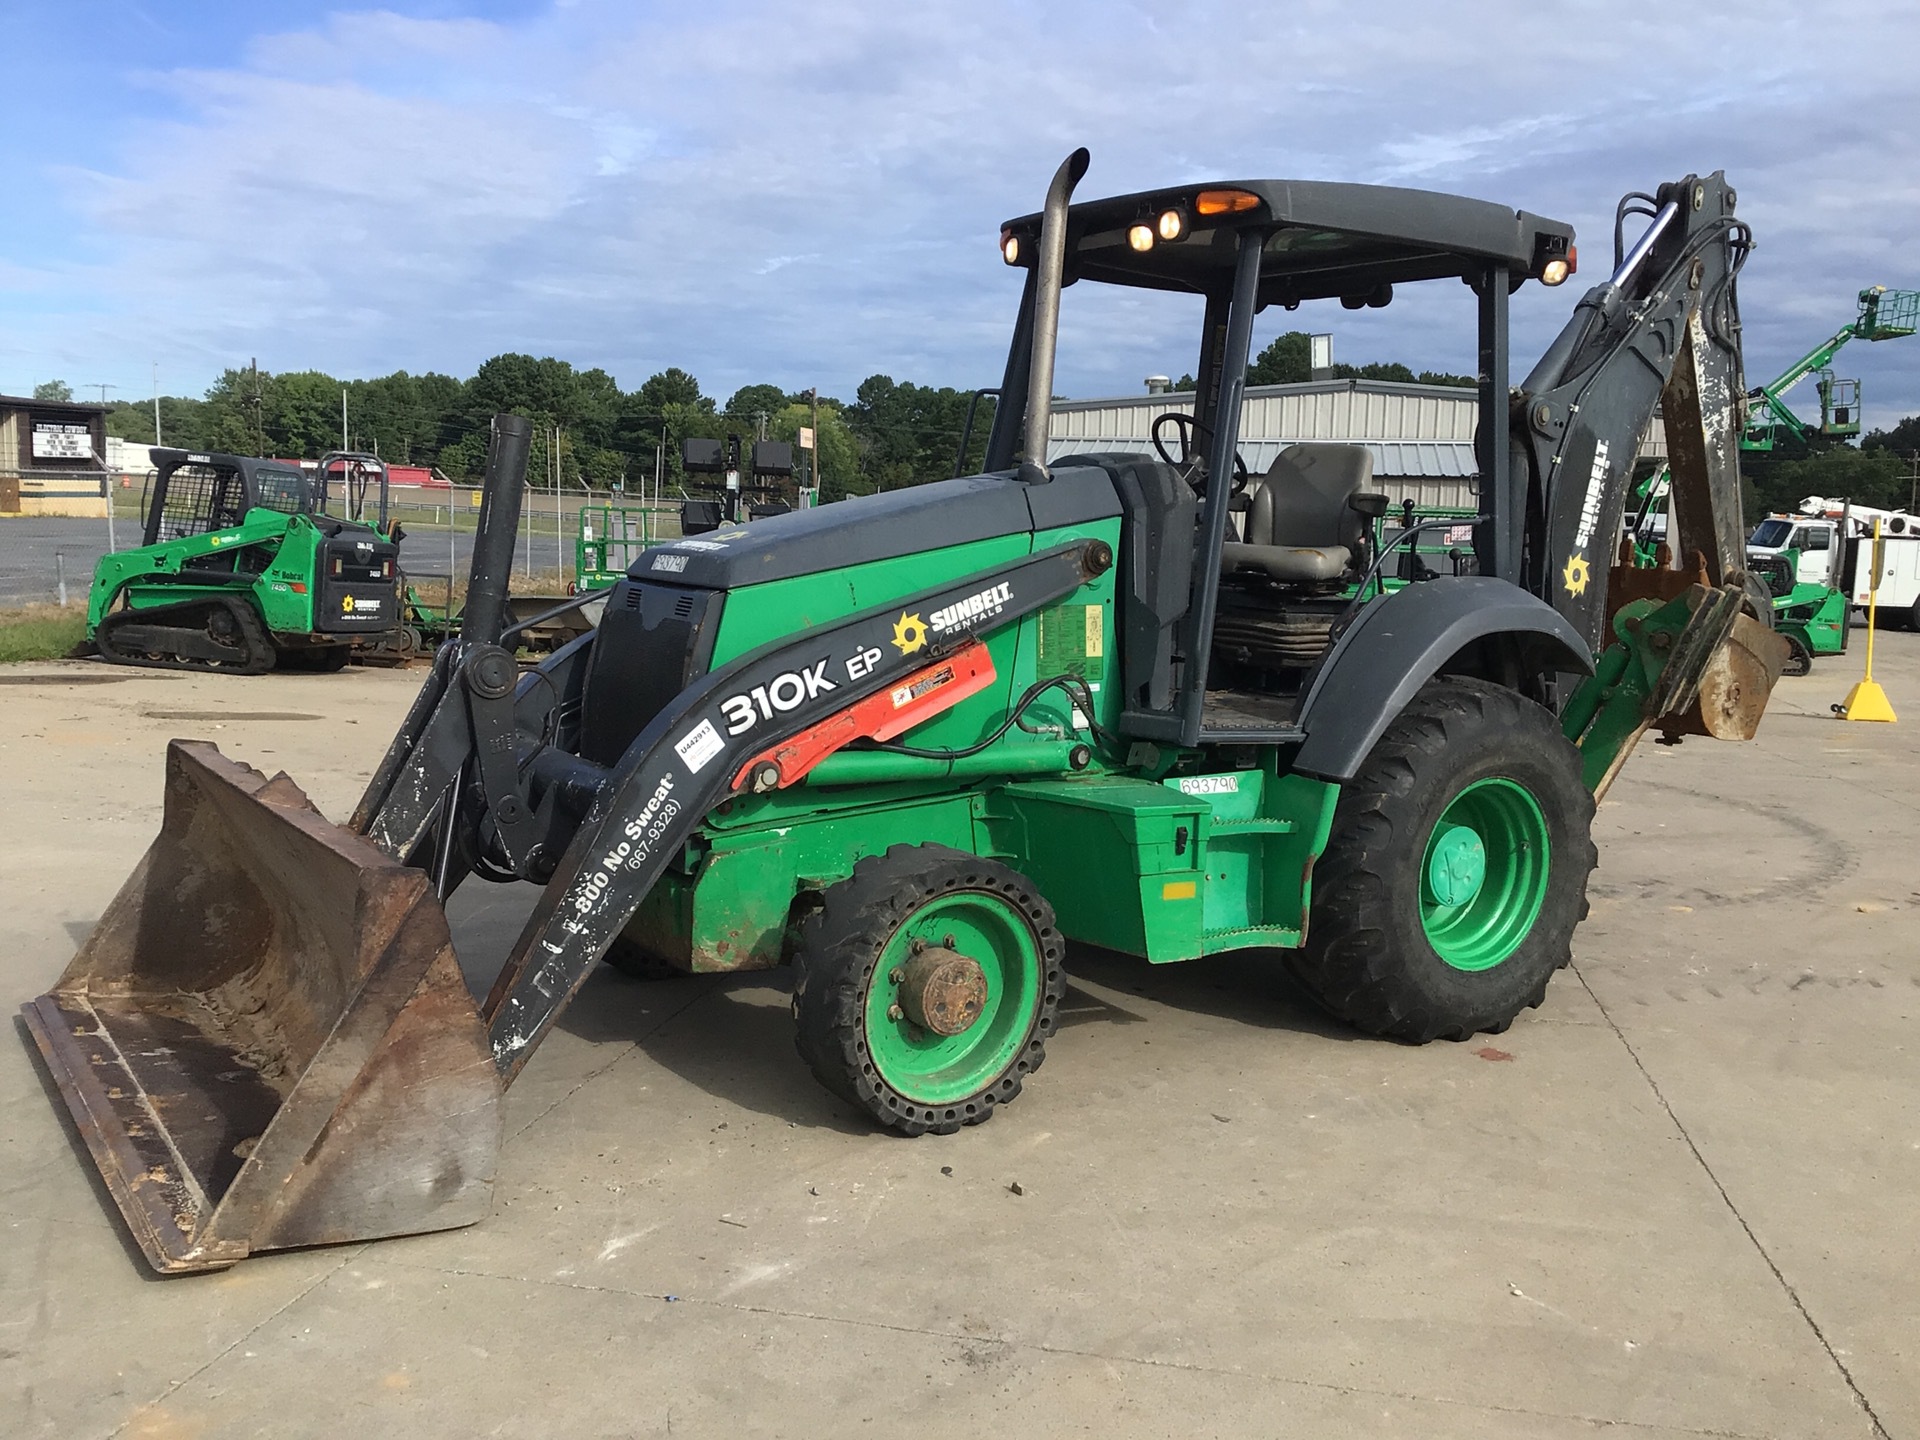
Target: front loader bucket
<point>266,1041</point>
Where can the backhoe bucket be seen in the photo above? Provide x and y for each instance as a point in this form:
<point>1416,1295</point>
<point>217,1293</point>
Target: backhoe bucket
<point>1721,670</point>
<point>1737,680</point>
<point>266,1041</point>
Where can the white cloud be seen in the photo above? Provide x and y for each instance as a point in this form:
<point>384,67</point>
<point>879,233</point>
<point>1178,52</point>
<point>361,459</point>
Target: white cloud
<point>811,193</point>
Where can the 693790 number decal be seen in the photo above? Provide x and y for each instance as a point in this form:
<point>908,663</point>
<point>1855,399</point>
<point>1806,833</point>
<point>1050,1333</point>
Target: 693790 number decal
<point>786,691</point>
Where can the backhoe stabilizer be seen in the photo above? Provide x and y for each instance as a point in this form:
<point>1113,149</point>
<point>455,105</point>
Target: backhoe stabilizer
<point>266,1041</point>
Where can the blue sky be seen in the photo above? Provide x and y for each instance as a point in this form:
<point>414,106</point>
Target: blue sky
<point>808,194</point>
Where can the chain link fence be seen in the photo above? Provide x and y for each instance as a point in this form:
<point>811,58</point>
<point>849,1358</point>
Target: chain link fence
<point>64,525</point>
<point>49,558</point>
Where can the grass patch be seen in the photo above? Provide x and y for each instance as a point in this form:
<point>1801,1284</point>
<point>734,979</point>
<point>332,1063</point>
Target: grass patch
<point>41,632</point>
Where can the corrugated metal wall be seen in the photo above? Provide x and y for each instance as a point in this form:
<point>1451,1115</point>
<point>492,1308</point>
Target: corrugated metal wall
<point>1421,435</point>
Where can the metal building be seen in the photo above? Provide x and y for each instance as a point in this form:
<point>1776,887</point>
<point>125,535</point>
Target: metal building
<point>1421,436</point>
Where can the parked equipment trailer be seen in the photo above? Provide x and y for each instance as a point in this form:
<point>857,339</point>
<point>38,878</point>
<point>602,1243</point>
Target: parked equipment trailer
<point>918,741</point>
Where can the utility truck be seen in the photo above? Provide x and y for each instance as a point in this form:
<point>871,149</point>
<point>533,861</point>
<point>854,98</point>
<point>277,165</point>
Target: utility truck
<point>1819,564</point>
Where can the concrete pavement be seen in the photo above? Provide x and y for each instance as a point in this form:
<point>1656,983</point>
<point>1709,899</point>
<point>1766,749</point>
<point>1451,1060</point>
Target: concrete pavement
<point>1675,1201</point>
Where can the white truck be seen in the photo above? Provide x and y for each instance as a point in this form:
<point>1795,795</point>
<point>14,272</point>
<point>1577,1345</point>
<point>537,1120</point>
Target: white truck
<point>1820,525</point>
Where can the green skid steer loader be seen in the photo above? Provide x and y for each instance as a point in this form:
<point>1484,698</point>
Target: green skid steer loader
<point>245,564</point>
<point>916,743</point>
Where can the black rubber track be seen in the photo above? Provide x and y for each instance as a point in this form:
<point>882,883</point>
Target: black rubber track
<point>254,656</point>
<point>840,945</point>
<point>1367,958</point>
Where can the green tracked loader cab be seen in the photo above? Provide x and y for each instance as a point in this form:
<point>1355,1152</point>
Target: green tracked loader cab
<point>245,564</point>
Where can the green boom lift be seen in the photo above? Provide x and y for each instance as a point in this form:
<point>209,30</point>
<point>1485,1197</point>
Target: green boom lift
<point>917,742</point>
<point>245,564</point>
<point>1883,315</point>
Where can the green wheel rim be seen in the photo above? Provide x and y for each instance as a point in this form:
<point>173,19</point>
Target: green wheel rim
<point>939,1069</point>
<point>1483,875</point>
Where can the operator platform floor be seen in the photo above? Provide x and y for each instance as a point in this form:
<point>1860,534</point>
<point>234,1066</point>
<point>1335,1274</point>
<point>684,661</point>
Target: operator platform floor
<point>1678,1200</point>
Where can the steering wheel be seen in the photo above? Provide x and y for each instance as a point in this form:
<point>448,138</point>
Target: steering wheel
<point>1192,461</point>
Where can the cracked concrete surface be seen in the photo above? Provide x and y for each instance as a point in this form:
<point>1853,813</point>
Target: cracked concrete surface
<point>1675,1201</point>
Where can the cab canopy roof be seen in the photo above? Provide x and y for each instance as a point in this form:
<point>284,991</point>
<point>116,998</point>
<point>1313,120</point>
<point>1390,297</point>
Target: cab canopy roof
<point>1327,239</point>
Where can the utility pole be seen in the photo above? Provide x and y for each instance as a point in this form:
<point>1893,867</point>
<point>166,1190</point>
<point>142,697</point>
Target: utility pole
<point>156,404</point>
<point>813,454</point>
<point>259,421</point>
<point>102,387</point>
<point>343,419</point>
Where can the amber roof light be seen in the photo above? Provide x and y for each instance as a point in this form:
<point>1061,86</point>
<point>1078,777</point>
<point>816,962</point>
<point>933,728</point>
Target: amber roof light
<point>1225,202</point>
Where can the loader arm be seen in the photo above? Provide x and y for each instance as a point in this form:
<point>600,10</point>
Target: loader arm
<point>690,757</point>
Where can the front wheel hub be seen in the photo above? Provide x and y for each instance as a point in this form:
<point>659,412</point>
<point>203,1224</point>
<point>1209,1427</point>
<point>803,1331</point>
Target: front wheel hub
<point>1483,876</point>
<point>943,991</point>
<point>1456,865</point>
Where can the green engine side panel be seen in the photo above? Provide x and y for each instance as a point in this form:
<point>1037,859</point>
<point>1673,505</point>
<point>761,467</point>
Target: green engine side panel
<point>1081,638</point>
<point>756,614</point>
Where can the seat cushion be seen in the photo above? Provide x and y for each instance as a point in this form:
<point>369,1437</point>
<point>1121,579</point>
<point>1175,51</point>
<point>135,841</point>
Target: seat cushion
<point>1303,564</point>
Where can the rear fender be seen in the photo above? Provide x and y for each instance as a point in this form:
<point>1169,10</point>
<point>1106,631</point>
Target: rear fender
<point>1468,624</point>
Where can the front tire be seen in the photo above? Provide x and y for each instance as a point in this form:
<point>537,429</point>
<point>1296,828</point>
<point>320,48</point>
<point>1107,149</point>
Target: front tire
<point>875,1040</point>
<point>1456,871</point>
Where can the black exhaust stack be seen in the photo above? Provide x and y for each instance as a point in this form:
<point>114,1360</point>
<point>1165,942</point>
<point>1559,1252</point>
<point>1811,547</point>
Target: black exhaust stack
<point>1051,267</point>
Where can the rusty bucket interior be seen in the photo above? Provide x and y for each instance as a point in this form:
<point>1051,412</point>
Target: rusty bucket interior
<point>266,1041</point>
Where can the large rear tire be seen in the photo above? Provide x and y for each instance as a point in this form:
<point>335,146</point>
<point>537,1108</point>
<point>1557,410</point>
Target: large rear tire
<point>1456,871</point>
<point>926,986</point>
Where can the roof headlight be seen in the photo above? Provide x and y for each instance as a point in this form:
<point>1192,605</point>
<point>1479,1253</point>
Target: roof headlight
<point>1172,224</point>
<point>1140,237</point>
<point>1009,247</point>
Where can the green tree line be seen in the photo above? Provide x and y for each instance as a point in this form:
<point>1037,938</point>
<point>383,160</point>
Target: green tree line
<point>890,434</point>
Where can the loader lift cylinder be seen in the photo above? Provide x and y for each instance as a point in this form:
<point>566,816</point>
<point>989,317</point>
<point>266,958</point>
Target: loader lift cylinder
<point>486,608</point>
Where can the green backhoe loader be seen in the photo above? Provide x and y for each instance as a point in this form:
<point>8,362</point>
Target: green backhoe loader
<point>916,743</point>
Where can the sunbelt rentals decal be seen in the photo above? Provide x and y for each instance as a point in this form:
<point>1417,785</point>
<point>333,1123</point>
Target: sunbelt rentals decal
<point>1578,572</point>
<point>968,613</point>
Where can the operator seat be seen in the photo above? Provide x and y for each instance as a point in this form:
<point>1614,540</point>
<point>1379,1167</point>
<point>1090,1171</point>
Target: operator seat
<point>1300,525</point>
